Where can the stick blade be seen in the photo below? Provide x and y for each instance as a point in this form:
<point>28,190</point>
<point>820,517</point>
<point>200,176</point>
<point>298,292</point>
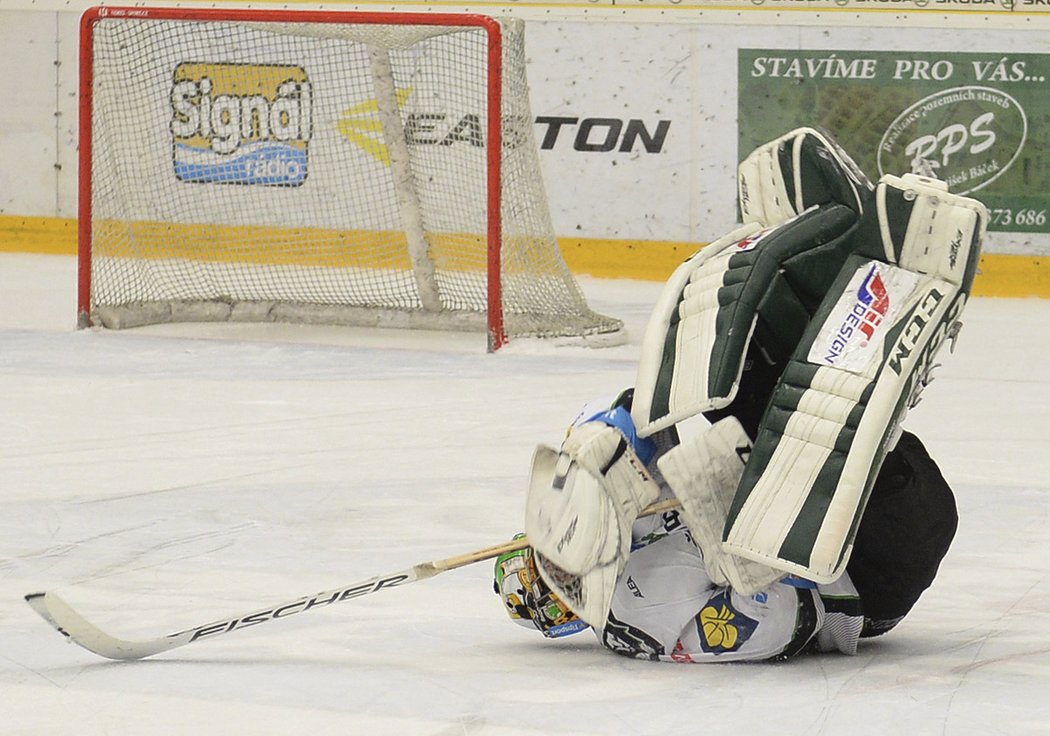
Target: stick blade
<point>64,619</point>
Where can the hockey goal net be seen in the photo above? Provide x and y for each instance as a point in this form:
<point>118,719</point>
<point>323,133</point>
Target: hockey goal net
<point>322,167</point>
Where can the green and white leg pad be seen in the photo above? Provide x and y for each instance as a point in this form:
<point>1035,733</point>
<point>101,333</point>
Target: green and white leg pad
<point>682,371</point>
<point>836,411</point>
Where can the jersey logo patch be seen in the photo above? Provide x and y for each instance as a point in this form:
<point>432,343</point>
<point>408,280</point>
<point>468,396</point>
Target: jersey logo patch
<point>623,638</point>
<point>723,628</point>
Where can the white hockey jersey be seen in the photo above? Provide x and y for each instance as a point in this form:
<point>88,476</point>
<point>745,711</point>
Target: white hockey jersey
<point>666,608</point>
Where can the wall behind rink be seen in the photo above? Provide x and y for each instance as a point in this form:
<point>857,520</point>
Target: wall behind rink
<point>642,118</point>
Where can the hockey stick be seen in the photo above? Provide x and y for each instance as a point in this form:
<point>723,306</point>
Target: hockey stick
<point>78,629</point>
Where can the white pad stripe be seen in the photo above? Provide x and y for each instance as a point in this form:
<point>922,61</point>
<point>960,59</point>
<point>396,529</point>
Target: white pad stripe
<point>762,190</point>
<point>698,313</point>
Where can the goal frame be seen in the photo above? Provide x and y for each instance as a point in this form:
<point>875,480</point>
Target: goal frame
<point>496,331</point>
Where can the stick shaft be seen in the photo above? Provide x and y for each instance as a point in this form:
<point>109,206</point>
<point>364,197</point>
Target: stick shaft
<point>71,624</point>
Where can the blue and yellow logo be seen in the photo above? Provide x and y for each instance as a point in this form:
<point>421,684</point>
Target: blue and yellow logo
<point>240,123</point>
<point>723,628</point>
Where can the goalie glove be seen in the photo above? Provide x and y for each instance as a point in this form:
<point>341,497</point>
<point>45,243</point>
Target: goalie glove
<point>528,600</point>
<point>581,504</point>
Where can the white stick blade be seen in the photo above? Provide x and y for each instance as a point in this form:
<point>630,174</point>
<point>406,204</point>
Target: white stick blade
<point>78,629</point>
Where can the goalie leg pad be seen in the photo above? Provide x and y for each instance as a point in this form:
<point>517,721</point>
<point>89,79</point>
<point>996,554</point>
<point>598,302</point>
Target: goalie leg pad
<point>678,362</point>
<point>860,365</point>
<point>831,420</point>
<point>581,505</point>
<point>696,341</point>
<point>703,475</point>
<point>801,197</point>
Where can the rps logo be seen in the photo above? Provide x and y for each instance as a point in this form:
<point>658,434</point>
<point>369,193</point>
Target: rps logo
<point>240,123</point>
<point>966,136</point>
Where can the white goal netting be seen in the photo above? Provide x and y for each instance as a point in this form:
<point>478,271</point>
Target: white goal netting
<point>334,172</point>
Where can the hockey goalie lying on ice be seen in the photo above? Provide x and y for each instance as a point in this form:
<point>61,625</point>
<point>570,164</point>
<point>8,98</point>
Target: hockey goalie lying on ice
<point>807,518</point>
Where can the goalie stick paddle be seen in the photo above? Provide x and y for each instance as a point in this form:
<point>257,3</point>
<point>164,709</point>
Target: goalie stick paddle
<point>65,619</point>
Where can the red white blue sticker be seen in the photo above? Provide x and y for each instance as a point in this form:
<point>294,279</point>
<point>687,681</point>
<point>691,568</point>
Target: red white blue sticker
<point>751,241</point>
<point>857,325</point>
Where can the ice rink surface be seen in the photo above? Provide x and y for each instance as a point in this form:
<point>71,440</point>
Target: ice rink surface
<point>163,478</point>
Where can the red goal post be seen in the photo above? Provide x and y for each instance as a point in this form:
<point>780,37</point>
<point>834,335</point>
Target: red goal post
<point>334,167</point>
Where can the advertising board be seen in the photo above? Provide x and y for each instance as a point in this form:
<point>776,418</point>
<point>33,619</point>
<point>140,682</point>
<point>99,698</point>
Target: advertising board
<point>974,120</point>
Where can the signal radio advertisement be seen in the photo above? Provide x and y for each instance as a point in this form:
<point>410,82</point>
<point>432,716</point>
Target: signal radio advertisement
<point>241,124</point>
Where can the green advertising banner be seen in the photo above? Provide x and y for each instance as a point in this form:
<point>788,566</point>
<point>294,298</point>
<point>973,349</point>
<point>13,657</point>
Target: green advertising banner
<point>980,121</point>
